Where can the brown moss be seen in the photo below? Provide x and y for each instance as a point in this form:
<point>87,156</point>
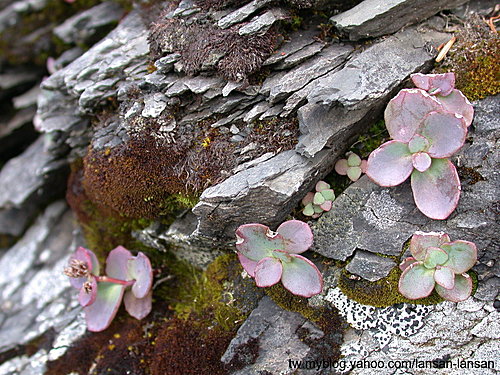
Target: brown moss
<point>474,59</point>
<point>469,175</point>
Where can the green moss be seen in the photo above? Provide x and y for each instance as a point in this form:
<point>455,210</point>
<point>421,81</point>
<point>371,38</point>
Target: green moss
<point>288,301</point>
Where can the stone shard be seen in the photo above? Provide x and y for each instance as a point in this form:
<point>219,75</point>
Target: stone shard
<point>277,181</point>
<point>347,98</point>
<point>242,13</point>
<point>85,27</point>
<point>372,18</point>
<point>261,24</point>
<point>370,266</point>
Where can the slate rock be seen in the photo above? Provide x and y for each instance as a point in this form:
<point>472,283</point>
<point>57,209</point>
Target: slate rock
<point>370,266</point>
<point>85,27</point>
<point>372,18</point>
<point>242,13</point>
<point>261,24</point>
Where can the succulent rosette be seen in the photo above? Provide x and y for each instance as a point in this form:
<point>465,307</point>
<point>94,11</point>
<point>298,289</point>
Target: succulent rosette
<point>437,263</point>
<point>315,203</point>
<point>271,256</point>
<point>127,277</point>
<point>353,166</point>
<point>426,129</point>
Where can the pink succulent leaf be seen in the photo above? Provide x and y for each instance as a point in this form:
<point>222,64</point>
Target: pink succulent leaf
<point>318,198</point>
<point>248,265</point>
<point>308,198</point>
<point>390,164</point>
<point>88,292</point>
<point>437,190</point>
<point>418,143</point>
<point>434,256</point>
<point>441,84</point>
<point>354,173</point>
<point>301,277</point>
<point>326,206</point>
<point>353,160</point>
<point>364,163</point>
<point>445,277</point>
<point>315,216</point>
<point>328,194</point>
<point>406,263</point>
<point>460,291</point>
<point>140,270</point>
<point>77,282</point>
<point>420,241</point>
<point>404,113</point>
<point>308,210</point>
<point>297,236</point>
<point>421,161</point>
<point>462,255</point>
<point>322,185</point>
<point>100,314</point>
<point>268,272</point>
<point>139,308</point>
<point>457,103</point>
<point>256,241</point>
<point>87,256</point>
<point>445,132</point>
<point>416,281</point>
<point>117,263</point>
<point>341,167</point>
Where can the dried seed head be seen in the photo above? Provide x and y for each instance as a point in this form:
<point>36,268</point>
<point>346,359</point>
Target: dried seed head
<point>77,268</point>
<point>87,286</point>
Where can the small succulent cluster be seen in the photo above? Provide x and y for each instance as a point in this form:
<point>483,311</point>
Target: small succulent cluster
<point>273,256</point>
<point>101,296</point>
<point>437,263</point>
<point>428,125</point>
<point>353,166</point>
<point>315,203</point>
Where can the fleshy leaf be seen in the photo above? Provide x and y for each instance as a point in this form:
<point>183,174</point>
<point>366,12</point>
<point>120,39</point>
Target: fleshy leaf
<point>297,236</point>
<point>140,270</point>
<point>457,103</point>
<point>407,262</point>
<point>318,198</point>
<point>462,255</point>
<point>301,277</point>
<point>418,143</point>
<point>416,281</point>
<point>420,241</point>
<point>363,165</point>
<point>268,272</point>
<point>88,292</point>
<point>322,185</point>
<point>254,241</point>
<point>421,161</point>
<point>308,210</point>
<point>353,160</point>
<point>328,194</point>
<point>445,277</point>
<point>317,209</point>
<point>404,113</point>
<point>87,256</point>
<point>445,132</point>
<point>100,314</point>
<point>434,256</point>
<point>441,84</point>
<point>308,198</point>
<point>248,265</point>
<point>461,290</point>
<point>117,263</point>
<point>354,173</point>
<point>390,164</point>
<point>326,206</point>
<point>341,167</point>
<point>437,190</point>
<point>139,308</point>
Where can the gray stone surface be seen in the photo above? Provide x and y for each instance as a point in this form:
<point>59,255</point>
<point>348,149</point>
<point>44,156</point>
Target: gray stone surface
<point>84,27</point>
<point>372,18</point>
<point>370,266</point>
<point>348,97</point>
<point>261,24</point>
<point>242,13</point>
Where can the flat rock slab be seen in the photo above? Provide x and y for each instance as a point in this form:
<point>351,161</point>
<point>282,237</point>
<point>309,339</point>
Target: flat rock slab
<point>370,266</point>
<point>373,18</point>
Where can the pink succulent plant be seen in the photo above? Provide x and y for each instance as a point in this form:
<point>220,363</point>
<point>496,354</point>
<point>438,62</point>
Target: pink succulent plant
<point>426,129</point>
<point>437,263</point>
<point>128,277</point>
<point>315,203</point>
<point>273,256</point>
<point>353,166</point>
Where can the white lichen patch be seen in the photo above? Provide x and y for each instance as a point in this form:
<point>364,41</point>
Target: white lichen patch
<point>382,211</point>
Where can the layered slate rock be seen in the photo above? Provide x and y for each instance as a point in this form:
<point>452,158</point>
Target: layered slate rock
<point>370,266</point>
<point>373,18</point>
